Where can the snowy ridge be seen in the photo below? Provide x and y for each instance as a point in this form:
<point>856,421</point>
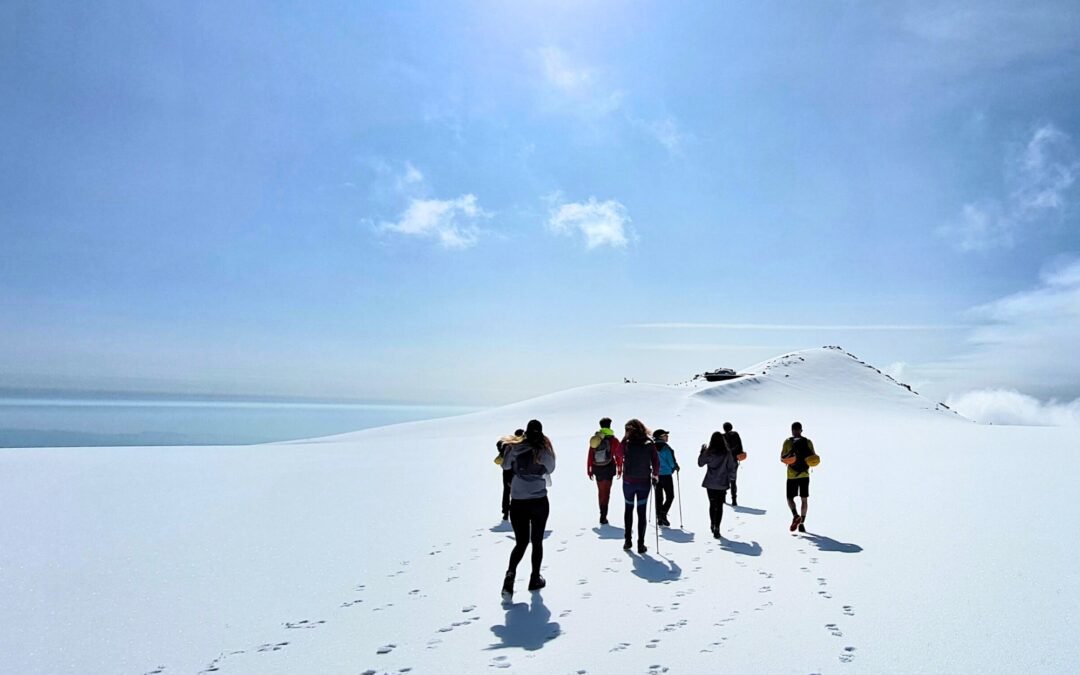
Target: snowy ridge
<point>383,551</point>
<point>828,375</point>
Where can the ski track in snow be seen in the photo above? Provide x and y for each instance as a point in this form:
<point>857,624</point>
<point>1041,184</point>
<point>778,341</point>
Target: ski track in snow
<point>650,567</point>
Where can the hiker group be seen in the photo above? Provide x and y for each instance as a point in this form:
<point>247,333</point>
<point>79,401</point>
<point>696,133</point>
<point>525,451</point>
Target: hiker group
<point>646,463</point>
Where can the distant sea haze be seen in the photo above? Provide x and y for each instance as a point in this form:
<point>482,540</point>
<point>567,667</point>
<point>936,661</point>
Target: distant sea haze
<point>96,422</point>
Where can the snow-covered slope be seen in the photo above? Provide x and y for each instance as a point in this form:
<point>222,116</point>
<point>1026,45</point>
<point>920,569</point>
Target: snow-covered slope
<point>383,550</point>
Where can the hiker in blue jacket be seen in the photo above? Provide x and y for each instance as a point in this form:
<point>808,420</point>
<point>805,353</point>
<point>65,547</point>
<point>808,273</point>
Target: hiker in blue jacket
<point>665,487</point>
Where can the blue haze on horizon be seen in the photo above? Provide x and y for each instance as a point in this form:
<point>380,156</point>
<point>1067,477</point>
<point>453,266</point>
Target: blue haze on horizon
<point>476,202</point>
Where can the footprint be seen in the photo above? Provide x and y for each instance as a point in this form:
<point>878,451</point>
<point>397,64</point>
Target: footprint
<point>652,643</point>
<point>500,662</point>
<point>849,610</point>
<point>764,589</point>
<point>619,647</point>
<point>848,656</point>
<point>385,649</point>
<point>565,613</point>
<point>468,608</point>
<point>305,624</point>
<point>821,581</point>
<point>272,647</point>
<point>834,629</point>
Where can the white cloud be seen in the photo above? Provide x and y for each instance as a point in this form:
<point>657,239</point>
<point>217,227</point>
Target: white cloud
<point>1025,341</point>
<point>1008,406</point>
<point>1039,178</point>
<point>601,223</point>
<point>453,222</point>
<point>562,74</point>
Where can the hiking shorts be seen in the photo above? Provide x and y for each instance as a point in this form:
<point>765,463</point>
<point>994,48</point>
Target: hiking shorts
<point>798,487</point>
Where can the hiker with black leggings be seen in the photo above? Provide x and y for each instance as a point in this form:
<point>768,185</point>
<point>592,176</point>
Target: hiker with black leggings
<point>640,467</point>
<point>720,468</point>
<point>532,461</point>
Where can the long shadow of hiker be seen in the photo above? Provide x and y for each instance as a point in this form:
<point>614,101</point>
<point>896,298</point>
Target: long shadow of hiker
<point>652,570</point>
<point>741,547</point>
<point>526,626</point>
<point>677,536</point>
<point>831,545</point>
<point>609,532</point>
<point>748,510</point>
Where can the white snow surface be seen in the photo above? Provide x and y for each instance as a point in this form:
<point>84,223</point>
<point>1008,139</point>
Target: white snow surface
<point>934,545</point>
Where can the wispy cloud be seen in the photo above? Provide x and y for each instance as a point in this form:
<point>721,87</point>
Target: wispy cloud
<point>666,131</point>
<point>1039,179</point>
<point>604,223</point>
<point>1008,406</point>
<point>794,327</point>
<point>573,87</point>
<point>685,347</point>
<point>453,222</point>
<point>1025,341</point>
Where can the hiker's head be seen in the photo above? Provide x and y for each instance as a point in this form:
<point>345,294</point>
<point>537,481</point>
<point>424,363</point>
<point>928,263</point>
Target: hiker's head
<point>716,442</point>
<point>635,430</point>
<point>605,423</point>
<point>660,435</point>
<point>796,429</point>
<point>519,432</point>
<point>534,436</point>
<point>727,426</point>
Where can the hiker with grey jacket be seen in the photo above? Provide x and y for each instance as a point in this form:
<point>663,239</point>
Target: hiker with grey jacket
<point>720,468</point>
<point>532,461</point>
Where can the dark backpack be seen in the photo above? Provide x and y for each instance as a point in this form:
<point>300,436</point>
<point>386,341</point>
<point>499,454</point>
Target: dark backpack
<point>801,449</point>
<point>602,453</point>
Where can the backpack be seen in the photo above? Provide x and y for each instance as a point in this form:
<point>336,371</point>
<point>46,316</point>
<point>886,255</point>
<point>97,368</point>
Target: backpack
<point>801,449</point>
<point>602,452</point>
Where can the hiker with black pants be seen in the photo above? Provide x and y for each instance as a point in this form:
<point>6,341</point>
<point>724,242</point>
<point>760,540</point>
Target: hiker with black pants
<point>720,467</point>
<point>507,473</point>
<point>640,466</point>
<point>665,486</point>
<point>603,463</point>
<point>799,455</point>
<point>734,445</point>
<point>532,461</point>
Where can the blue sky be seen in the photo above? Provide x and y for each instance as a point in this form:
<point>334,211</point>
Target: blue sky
<point>477,202</point>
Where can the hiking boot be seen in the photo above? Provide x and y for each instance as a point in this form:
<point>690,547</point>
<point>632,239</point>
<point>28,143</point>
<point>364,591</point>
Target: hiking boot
<point>641,547</point>
<point>536,582</point>
<point>734,502</point>
<point>627,545</point>
<point>802,528</point>
<point>603,520</point>
<point>506,516</point>
<point>508,583</point>
<point>716,531</point>
<point>794,523</point>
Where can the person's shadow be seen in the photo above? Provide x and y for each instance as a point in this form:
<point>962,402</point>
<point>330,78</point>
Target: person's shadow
<point>527,625</point>
<point>677,536</point>
<point>609,532</point>
<point>749,511</point>
<point>829,545</point>
<point>652,570</point>
<point>741,547</point>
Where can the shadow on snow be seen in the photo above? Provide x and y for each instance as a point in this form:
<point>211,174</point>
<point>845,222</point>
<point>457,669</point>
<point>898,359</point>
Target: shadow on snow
<point>676,536</point>
<point>609,532</point>
<point>831,545</point>
<point>527,625</point>
<point>654,571</point>
<point>741,547</point>
<point>749,511</point>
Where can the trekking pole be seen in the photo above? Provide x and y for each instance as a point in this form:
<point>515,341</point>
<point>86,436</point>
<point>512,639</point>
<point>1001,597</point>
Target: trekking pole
<point>678,483</point>
<point>657,523</point>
